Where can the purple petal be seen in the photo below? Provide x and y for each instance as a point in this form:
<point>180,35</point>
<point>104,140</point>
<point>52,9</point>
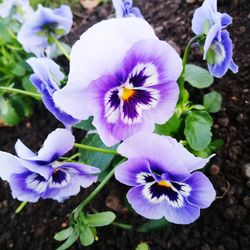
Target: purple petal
<point>57,144</point>
<point>27,186</point>
<point>233,67</point>
<point>220,68</point>
<point>23,151</point>
<point>181,215</point>
<point>127,172</point>
<point>211,36</point>
<point>73,100</point>
<point>202,192</point>
<point>80,168</point>
<point>190,161</point>
<point>163,60</point>
<point>143,206</point>
<point>9,165</point>
<point>226,20</point>
<point>67,179</point>
<point>158,150</point>
<point>47,71</point>
<point>202,15</point>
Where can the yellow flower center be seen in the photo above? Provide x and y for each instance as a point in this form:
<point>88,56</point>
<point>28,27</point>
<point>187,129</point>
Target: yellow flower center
<point>164,183</point>
<point>127,93</point>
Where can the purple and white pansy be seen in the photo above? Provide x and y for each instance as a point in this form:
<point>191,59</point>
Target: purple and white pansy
<point>161,174</point>
<point>32,176</point>
<point>125,8</point>
<point>46,78</point>
<point>35,34</point>
<point>218,48</point>
<point>129,86</point>
<point>16,9</point>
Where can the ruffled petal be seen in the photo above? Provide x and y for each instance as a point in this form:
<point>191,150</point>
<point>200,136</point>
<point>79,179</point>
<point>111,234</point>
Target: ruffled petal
<point>27,186</point>
<point>143,206</point>
<point>202,192</point>
<point>57,144</point>
<point>127,172</point>
<point>9,165</point>
<point>23,151</point>
<point>158,150</point>
<point>181,215</point>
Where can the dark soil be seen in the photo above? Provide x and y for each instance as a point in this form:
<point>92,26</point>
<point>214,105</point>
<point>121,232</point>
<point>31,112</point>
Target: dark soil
<point>225,225</point>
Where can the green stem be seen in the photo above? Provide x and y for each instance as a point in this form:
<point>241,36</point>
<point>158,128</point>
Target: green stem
<point>21,206</point>
<point>93,194</point>
<point>123,226</point>
<point>59,45</point>
<point>91,148</point>
<point>185,58</point>
<point>20,91</point>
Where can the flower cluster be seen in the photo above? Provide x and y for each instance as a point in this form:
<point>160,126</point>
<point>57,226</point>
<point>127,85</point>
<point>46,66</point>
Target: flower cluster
<point>218,48</point>
<point>129,81</point>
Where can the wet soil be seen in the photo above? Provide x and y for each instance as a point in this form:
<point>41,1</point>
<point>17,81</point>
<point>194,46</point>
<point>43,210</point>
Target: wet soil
<point>225,225</point>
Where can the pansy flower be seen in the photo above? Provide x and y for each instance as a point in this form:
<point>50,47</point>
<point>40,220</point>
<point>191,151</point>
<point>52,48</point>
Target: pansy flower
<point>17,9</point>
<point>161,174</point>
<point>46,78</point>
<point>218,49</point>
<point>124,8</point>
<point>124,76</point>
<point>36,33</point>
<point>32,176</point>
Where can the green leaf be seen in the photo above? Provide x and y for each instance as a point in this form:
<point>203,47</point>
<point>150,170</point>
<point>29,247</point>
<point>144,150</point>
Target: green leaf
<point>100,219</point>
<point>143,246</point>
<point>18,70</point>
<point>153,225</point>
<point>64,234</point>
<point>198,129</point>
<point>86,124</point>
<point>212,101</point>
<point>8,114</point>
<point>18,104</point>
<point>170,127</point>
<point>212,147</point>
<point>198,77</point>
<point>93,158</point>
<point>5,37</point>
<point>70,241</point>
<point>86,236</point>
<point>27,85</point>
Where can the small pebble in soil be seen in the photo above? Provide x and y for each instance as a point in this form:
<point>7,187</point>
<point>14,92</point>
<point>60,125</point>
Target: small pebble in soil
<point>229,214</point>
<point>246,201</point>
<point>223,121</point>
<point>214,169</point>
<point>246,170</point>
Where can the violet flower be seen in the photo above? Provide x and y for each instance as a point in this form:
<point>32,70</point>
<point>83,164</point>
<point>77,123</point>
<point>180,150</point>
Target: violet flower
<point>124,76</point>
<point>218,49</point>
<point>16,9</point>
<point>32,176</point>
<point>36,33</point>
<point>46,79</point>
<point>160,172</point>
<point>124,8</point>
